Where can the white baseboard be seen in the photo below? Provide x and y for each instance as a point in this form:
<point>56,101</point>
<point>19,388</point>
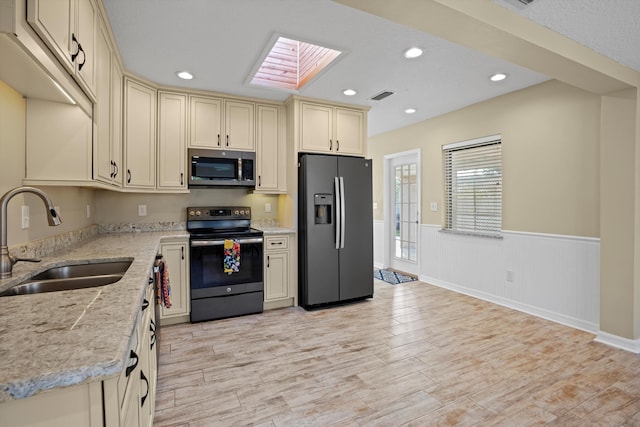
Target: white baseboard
<point>525,308</point>
<point>618,342</point>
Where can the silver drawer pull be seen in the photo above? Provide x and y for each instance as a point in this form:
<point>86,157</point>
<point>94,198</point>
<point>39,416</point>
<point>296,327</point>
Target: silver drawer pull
<point>220,242</point>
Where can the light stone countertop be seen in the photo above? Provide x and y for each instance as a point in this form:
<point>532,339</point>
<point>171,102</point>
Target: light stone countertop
<point>64,338</point>
<point>275,230</point>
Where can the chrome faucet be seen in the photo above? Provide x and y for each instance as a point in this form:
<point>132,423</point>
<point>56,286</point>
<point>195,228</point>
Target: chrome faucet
<point>7,260</point>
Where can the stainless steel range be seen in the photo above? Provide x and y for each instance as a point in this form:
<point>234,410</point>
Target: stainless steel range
<point>226,263</point>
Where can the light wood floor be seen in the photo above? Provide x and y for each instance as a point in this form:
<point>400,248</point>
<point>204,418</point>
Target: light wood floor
<point>414,355</point>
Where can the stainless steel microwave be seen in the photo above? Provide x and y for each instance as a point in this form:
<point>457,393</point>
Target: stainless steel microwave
<point>221,168</point>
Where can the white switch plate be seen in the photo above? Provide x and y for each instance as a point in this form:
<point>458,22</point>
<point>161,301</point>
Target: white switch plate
<point>142,210</point>
<point>267,207</point>
<point>25,217</point>
<point>434,206</point>
<point>510,276</point>
<point>375,206</point>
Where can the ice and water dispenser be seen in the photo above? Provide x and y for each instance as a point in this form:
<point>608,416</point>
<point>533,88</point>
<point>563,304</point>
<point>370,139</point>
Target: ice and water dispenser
<point>323,208</point>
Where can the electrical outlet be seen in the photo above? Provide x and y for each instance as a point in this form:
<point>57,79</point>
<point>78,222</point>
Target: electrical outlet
<point>510,276</point>
<point>88,211</point>
<point>434,206</point>
<point>267,207</point>
<point>25,217</point>
<point>142,210</point>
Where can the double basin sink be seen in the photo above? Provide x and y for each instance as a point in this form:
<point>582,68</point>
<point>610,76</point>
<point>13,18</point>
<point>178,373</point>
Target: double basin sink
<point>72,276</point>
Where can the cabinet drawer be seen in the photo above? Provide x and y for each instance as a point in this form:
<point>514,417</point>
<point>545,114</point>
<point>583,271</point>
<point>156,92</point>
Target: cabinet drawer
<point>276,242</point>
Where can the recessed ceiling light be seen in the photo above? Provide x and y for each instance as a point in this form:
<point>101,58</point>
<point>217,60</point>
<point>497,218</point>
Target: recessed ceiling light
<point>498,77</point>
<point>412,52</point>
<point>349,92</point>
<point>410,110</point>
<point>185,75</point>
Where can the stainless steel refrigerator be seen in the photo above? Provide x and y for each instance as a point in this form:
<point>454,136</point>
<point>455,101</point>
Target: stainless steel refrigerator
<point>335,225</point>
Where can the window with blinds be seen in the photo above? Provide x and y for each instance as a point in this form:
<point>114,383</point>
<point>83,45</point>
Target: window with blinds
<point>473,186</point>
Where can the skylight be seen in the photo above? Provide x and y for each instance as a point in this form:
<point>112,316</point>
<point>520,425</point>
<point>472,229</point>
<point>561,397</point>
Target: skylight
<point>291,64</point>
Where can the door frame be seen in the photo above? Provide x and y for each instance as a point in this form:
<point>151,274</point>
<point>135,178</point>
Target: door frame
<point>389,212</point>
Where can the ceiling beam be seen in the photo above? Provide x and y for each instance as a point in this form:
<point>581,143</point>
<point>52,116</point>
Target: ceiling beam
<point>489,28</point>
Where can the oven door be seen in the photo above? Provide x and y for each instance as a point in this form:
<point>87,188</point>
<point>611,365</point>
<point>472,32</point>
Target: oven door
<point>208,278</point>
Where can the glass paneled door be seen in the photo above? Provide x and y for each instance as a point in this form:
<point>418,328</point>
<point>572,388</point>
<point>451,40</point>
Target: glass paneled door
<point>404,201</point>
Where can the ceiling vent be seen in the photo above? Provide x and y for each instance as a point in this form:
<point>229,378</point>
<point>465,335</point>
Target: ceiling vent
<point>382,95</point>
<point>526,2</point>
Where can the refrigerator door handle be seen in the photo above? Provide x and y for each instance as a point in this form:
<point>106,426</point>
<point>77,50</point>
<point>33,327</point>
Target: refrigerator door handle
<point>338,218</point>
<point>343,222</point>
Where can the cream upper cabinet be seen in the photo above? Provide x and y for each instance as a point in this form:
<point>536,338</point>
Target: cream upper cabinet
<point>176,256</point>
<point>68,27</point>
<point>270,150</point>
<point>205,122</point>
<point>350,132</point>
<point>139,135</point>
<point>172,140</point>
<point>331,129</point>
<point>221,123</point>
<point>107,141</point>
<point>239,126</point>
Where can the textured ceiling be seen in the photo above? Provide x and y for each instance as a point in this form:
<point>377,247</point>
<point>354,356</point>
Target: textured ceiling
<point>610,27</point>
<point>220,41</point>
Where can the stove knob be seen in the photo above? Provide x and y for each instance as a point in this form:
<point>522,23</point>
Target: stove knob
<point>228,290</point>
<point>242,212</point>
<point>236,212</point>
<point>197,213</point>
<point>191,213</point>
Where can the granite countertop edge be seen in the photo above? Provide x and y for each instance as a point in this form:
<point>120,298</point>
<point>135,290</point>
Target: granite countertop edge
<point>65,338</point>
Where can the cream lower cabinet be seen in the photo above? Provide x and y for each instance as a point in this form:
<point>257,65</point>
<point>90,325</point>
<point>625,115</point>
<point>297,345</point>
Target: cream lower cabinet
<point>129,399</point>
<point>176,256</point>
<point>277,289</point>
<point>126,400</point>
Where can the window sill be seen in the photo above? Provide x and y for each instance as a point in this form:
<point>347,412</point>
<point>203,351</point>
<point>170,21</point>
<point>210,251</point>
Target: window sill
<point>472,233</point>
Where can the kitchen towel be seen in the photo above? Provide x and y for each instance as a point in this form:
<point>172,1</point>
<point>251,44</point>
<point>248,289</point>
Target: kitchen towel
<point>163,291</point>
<point>231,256</point>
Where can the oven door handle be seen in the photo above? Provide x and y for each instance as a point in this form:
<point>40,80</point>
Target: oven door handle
<point>220,242</point>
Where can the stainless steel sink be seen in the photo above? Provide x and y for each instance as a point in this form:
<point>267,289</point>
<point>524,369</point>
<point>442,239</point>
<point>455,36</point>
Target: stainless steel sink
<point>67,277</point>
<point>83,270</point>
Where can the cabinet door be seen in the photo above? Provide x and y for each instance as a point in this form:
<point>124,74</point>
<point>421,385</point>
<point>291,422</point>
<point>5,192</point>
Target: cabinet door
<point>176,256</point>
<point>172,140</point>
<point>140,135</point>
<point>85,29</point>
<point>239,126</point>
<point>267,153</point>
<point>116,121</point>
<point>205,122</point>
<point>103,166</point>
<point>316,128</point>
<point>53,20</point>
<point>276,278</point>
<point>349,132</point>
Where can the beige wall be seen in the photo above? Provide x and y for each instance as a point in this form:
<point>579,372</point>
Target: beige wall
<point>72,201</point>
<point>618,157</point>
<point>550,135</point>
<point>122,208</point>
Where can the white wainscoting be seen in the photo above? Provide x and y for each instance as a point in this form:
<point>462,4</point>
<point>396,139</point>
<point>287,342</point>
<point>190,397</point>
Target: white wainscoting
<point>555,277</point>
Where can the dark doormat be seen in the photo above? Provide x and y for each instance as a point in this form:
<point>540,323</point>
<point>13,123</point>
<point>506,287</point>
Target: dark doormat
<point>392,277</point>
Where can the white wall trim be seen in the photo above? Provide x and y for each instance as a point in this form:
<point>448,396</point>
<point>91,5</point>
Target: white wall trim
<point>618,342</point>
<point>525,308</point>
<point>552,236</point>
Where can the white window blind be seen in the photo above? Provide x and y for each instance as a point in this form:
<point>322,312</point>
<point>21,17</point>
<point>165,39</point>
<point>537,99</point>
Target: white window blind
<point>473,185</point>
